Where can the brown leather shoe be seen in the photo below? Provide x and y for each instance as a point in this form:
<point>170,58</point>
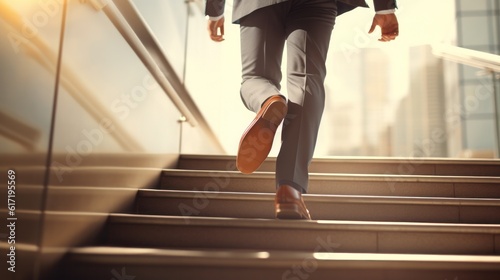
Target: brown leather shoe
<point>290,205</point>
<point>256,142</point>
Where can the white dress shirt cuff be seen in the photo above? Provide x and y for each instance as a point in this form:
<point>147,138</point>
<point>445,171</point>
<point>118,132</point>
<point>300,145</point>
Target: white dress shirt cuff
<point>386,12</point>
<point>216,18</point>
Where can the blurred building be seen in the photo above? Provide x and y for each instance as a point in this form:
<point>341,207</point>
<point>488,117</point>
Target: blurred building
<point>356,127</point>
<point>375,71</point>
<point>447,110</point>
<point>419,126</point>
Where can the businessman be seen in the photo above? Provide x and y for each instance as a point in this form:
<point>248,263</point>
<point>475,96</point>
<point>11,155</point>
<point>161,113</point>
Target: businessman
<point>304,27</point>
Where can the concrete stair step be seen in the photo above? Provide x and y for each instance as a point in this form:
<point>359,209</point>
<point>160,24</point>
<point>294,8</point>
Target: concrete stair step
<point>361,165</point>
<point>341,184</point>
<point>336,236</point>
<point>150,263</point>
<point>375,218</point>
<point>86,176</point>
<point>322,207</point>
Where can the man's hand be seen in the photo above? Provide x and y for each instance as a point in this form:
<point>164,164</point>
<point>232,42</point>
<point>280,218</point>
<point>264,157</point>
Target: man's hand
<point>389,25</point>
<point>214,26</point>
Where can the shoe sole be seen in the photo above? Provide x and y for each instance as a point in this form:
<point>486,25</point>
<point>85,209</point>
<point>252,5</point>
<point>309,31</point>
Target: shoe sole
<point>257,141</point>
<point>289,212</point>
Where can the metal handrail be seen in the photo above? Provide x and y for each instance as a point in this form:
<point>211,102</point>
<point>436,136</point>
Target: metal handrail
<point>487,61</point>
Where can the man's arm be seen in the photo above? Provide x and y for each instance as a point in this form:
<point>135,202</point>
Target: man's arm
<point>386,19</point>
<point>214,9</point>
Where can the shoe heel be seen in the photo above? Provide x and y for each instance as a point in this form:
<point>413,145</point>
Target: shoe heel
<point>275,113</point>
<point>288,212</point>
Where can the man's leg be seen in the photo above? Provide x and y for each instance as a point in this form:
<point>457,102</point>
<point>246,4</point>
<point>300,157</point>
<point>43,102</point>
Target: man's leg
<point>263,38</point>
<point>262,42</point>
<point>309,27</point>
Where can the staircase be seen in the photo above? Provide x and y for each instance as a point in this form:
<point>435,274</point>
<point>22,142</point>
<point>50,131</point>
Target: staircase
<point>373,218</point>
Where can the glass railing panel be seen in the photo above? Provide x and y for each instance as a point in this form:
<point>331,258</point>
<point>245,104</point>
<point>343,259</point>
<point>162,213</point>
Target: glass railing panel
<point>169,22</point>
<point>28,29</point>
<point>478,96</point>
<point>106,91</point>
<point>480,137</point>
<point>473,102</point>
<point>178,28</point>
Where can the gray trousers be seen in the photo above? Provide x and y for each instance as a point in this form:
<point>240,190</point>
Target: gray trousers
<point>305,26</point>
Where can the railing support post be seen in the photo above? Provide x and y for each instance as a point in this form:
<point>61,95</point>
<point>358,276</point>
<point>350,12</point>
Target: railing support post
<point>496,115</point>
<point>182,119</point>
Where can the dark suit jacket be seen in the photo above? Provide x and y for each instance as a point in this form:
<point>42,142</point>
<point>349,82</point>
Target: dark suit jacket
<point>242,8</point>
